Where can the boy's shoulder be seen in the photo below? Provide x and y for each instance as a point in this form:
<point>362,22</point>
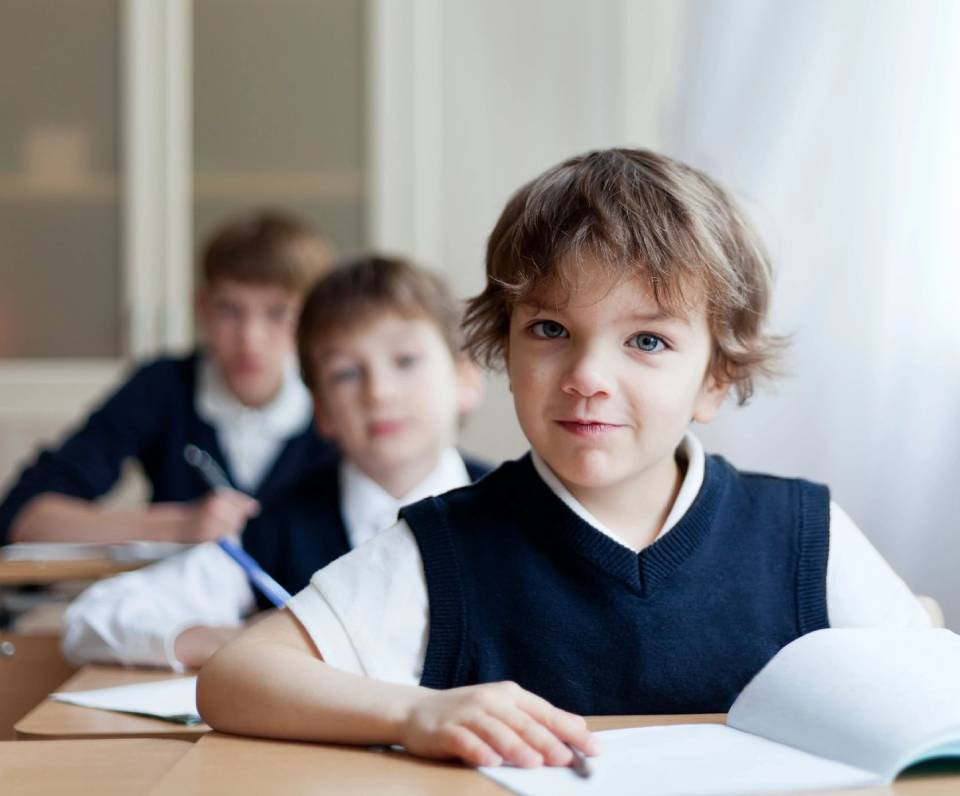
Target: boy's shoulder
<point>167,372</point>
<point>492,490</point>
<point>753,477</point>
<point>318,488</point>
<point>476,468</point>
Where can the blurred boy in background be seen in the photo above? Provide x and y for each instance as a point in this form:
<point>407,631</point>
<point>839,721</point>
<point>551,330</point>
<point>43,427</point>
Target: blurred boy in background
<point>239,397</point>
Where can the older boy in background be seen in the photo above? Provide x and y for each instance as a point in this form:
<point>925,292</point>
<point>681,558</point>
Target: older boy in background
<point>380,348</point>
<point>239,397</point>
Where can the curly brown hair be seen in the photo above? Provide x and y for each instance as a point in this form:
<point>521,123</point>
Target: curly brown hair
<point>633,213</point>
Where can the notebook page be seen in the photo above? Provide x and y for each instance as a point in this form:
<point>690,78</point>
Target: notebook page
<point>173,700</point>
<point>708,759</point>
<point>874,699</point>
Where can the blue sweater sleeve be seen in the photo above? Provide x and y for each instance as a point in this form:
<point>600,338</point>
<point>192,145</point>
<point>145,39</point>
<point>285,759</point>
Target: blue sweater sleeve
<point>89,462</point>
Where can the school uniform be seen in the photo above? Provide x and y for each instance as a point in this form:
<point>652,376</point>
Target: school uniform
<point>136,617</point>
<point>166,405</point>
<point>512,578</point>
<point>351,509</point>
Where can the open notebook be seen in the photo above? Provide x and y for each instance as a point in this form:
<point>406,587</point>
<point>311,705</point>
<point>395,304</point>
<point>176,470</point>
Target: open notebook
<point>833,709</point>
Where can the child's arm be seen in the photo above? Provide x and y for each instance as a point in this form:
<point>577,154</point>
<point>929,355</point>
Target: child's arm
<point>269,682</point>
<point>51,517</point>
<point>175,613</point>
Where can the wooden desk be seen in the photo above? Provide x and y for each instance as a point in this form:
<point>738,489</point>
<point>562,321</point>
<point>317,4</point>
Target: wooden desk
<point>221,763</point>
<point>31,666</point>
<point>101,767</point>
<point>229,764</point>
<point>57,720</point>
<point>41,573</point>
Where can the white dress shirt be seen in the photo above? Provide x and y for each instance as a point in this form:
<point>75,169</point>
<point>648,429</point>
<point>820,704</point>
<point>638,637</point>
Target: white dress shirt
<point>251,438</point>
<point>135,618</point>
<point>378,626</point>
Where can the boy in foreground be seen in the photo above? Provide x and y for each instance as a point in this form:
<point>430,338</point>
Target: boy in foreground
<point>616,568</point>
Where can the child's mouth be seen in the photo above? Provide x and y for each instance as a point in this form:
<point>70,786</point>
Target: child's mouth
<point>586,428</point>
<point>384,428</point>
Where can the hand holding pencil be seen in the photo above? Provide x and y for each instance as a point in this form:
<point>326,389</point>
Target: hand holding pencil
<point>217,480</point>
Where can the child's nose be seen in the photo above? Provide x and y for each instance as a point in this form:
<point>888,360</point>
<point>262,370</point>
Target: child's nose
<point>380,387</point>
<point>587,375</point>
<point>252,333</point>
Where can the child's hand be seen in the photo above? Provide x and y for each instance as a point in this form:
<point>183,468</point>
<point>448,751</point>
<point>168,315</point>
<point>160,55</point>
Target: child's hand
<point>486,725</point>
<point>221,513</point>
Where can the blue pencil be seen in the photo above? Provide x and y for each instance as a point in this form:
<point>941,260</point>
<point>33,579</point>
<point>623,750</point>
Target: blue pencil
<point>272,590</point>
<point>216,478</point>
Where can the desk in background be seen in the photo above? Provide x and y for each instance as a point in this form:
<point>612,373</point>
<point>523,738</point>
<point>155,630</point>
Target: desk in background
<point>57,721</point>
<point>44,573</point>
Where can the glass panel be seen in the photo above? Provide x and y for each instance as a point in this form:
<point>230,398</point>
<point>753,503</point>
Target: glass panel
<point>278,112</point>
<point>60,281</point>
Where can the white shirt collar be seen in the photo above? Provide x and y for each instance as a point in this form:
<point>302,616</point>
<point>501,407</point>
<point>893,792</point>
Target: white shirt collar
<point>252,439</point>
<point>690,448</point>
<point>368,508</point>
<point>289,413</point>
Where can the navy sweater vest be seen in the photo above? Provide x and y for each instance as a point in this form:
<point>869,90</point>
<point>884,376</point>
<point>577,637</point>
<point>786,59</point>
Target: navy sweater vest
<point>151,418</point>
<point>304,532</point>
<point>522,589</point>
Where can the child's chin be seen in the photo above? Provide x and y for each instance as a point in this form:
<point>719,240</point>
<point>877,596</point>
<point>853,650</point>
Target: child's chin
<point>591,471</point>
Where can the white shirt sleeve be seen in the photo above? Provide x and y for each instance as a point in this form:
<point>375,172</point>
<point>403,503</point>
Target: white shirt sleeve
<point>862,588</point>
<point>367,612</point>
<point>135,618</point>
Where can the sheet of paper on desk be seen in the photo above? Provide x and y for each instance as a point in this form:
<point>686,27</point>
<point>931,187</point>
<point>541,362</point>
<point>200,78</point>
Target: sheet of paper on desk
<point>683,759</point>
<point>172,700</point>
<point>68,551</point>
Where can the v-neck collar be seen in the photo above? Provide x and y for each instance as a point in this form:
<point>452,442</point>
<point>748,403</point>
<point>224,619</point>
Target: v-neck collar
<point>643,572</point>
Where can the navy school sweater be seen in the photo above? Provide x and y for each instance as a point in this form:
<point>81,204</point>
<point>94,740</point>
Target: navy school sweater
<point>520,588</point>
<point>304,532</point>
<point>151,418</point>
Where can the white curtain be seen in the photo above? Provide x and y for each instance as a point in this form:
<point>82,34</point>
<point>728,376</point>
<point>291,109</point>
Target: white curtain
<point>838,125</point>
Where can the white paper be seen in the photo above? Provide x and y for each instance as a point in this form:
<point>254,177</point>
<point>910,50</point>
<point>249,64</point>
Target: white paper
<point>680,759</point>
<point>54,551</point>
<point>70,551</point>
<point>173,700</point>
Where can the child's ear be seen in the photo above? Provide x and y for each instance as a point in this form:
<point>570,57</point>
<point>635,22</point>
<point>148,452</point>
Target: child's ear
<point>713,393</point>
<point>470,386</point>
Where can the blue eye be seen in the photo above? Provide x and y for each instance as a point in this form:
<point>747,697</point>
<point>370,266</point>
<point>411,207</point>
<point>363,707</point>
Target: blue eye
<point>548,330</point>
<point>340,375</point>
<point>648,343</point>
<point>406,361</point>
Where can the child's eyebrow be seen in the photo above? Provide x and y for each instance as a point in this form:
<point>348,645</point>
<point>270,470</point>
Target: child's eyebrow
<point>660,315</point>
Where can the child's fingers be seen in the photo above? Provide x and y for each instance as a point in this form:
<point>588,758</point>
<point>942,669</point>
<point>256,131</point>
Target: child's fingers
<point>552,749</point>
<point>504,740</point>
<point>469,747</point>
<point>238,501</point>
<point>565,726</point>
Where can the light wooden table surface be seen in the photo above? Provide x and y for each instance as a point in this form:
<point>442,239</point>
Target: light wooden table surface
<point>227,764</point>
<point>39,573</point>
<point>56,720</point>
<point>104,768</point>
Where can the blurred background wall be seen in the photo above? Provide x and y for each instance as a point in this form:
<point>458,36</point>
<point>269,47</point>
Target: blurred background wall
<point>132,127</point>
